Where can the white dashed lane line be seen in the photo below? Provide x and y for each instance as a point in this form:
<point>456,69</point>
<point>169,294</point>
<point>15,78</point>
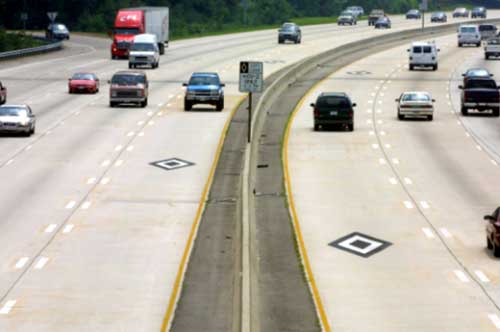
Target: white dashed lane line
<point>395,161</point>
<point>445,233</point>
<point>481,276</point>
<point>130,148</point>
<point>105,181</point>
<point>50,228</point>
<point>424,205</point>
<point>22,262</point>
<point>393,181</point>
<point>408,204</point>
<point>70,205</point>
<point>382,161</point>
<point>91,180</point>
<point>495,320</point>
<point>106,163</point>
<point>68,228</point>
<point>408,181</point>
<point>461,276</point>
<point>42,261</point>
<point>86,205</point>
<point>375,146</point>
<point>7,307</point>
<point>118,148</point>
<point>428,232</point>
<point>130,134</point>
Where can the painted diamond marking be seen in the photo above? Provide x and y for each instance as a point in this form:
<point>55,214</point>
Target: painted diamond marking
<point>172,164</point>
<point>360,244</point>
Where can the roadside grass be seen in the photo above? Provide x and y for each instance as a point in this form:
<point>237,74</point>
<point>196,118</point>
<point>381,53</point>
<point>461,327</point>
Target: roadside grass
<point>16,41</point>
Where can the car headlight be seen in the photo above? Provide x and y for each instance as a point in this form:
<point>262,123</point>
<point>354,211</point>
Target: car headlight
<point>24,122</point>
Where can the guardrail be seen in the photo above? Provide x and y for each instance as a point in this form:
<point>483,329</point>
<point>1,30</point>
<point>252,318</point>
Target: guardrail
<point>52,46</point>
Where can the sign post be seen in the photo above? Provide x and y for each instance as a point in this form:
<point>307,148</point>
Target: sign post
<point>52,16</point>
<point>24,18</point>
<point>423,8</point>
<point>251,80</point>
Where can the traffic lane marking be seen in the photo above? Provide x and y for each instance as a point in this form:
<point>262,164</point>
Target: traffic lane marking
<point>7,307</point>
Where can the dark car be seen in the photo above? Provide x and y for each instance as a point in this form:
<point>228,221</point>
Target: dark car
<point>375,14</point>
<point>56,31</point>
<point>383,22</point>
<point>493,232</point>
<point>129,87</point>
<point>333,108</point>
<point>413,14</point>
<point>439,17</point>
<point>476,73</point>
<point>480,93</point>
<point>289,31</point>
<point>478,12</point>
<point>204,88</point>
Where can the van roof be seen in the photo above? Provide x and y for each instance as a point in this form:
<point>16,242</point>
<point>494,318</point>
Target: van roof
<point>423,44</point>
<point>145,37</point>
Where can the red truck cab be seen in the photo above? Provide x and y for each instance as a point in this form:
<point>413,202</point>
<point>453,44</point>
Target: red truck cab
<point>128,23</point>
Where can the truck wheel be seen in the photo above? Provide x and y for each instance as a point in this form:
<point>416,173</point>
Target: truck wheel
<point>187,106</point>
<point>162,48</point>
<point>496,112</point>
<point>496,250</point>
<point>464,111</point>
<point>411,67</point>
<point>478,44</point>
<point>486,56</point>
<point>459,44</point>
<point>316,127</point>
<point>280,41</point>
<point>435,67</point>
<point>112,104</point>
<point>130,66</point>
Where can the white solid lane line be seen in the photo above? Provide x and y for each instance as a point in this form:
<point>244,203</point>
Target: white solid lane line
<point>495,320</point>
<point>428,232</point>
<point>50,228</point>
<point>461,276</point>
<point>41,263</point>
<point>408,204</point>
<point>7,307</point>
<point>482,276</point>
<point>86,205</point>
<point>22,262</point>
<point>70,205</point>
<point>68,229</point>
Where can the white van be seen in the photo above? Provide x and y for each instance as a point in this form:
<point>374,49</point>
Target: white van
<point>144,51</point>
<point>469,34</point>
<point>423,54</point>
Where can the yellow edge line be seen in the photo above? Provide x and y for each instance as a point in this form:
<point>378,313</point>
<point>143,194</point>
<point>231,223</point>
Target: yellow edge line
<point>296,224</point>
<point>192,234</point>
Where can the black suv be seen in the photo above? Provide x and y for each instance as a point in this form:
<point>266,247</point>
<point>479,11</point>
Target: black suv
<point>333,108</point>
<point>480,93</point>
<point>478,12</point>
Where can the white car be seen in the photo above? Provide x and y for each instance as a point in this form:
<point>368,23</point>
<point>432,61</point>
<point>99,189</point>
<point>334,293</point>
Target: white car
<point>144,51</point>
<point>469,34</point>
<point>423,54</point>
<point>415,104</point>
<point>17,119</point>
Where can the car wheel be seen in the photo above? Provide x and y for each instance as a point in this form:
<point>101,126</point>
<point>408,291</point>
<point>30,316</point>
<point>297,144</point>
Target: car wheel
<point>144,103</point>
<point>435,67</point>
<point>412,67</point>
<point>496,112</point>
<point>220,105</point>
<point>496,250</point>
<point>129,66</point>
<point>316,127</point>
<point>459,44</point>
<point>401,116</point>
<point>70,91</point>
<point>112,104</point>
<point>430,117</point>
<point>464,111</point>
<point>188,106</point>
<point>486,56</point>
<point>489,245</point>
<point>350,127</point>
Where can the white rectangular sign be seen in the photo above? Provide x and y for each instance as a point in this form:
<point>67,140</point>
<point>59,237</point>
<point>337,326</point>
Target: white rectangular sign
<point>251,76</point>
<point>423,5</point>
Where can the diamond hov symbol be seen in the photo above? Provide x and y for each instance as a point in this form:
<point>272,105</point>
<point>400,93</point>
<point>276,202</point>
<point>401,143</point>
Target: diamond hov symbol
<point>172,164</point>
<point>360,244</point>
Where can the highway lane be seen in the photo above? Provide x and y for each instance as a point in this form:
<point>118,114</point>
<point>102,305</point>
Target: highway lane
<point>422,186</point>
<point>86,202</point>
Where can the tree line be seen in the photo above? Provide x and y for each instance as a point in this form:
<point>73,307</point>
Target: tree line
<point>190,17</point>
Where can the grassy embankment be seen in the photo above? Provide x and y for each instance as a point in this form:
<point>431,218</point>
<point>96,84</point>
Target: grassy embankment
<point>16,41</point>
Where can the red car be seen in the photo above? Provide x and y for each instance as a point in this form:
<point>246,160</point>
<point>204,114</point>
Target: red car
<point>493,232</point>
<point>83,82</point>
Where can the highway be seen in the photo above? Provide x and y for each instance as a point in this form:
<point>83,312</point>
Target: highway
<point>419,189</point>
<point>95,238</point>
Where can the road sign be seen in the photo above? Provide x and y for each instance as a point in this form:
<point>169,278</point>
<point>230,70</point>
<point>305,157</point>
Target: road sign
<point>52,16</point>
<point>251,76</point>
<point>423,5</point>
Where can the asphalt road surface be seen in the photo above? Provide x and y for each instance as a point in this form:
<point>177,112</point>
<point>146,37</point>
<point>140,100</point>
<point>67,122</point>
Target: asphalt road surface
<point>92,235</point>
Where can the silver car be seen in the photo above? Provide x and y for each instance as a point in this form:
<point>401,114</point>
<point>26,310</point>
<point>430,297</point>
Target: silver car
<point>415,104</point>
<point>17,119</point>
<point>289,31</point>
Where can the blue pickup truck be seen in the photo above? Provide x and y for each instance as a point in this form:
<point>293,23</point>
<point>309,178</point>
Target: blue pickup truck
<point>204,88</point>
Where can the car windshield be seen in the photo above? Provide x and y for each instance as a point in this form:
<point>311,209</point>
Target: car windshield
<point>477,72</point>
<point>59,27</point>
<point>480,84</point>
<point>495,41</point>
<point>333,101</point>
<point>413,11</point>
<point>13,111</point>
<point>487,28</point>
<point>86,77</point>
<point>204,80</point>
<point>417,49</point>
<point>288,27</point>
<point>347,13</point>
<point>377,12</point>
<point>468,30</point>
<point>128,79</point>
<point>144,47</point>
<point>126,31</point>
<point>416,97</point>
